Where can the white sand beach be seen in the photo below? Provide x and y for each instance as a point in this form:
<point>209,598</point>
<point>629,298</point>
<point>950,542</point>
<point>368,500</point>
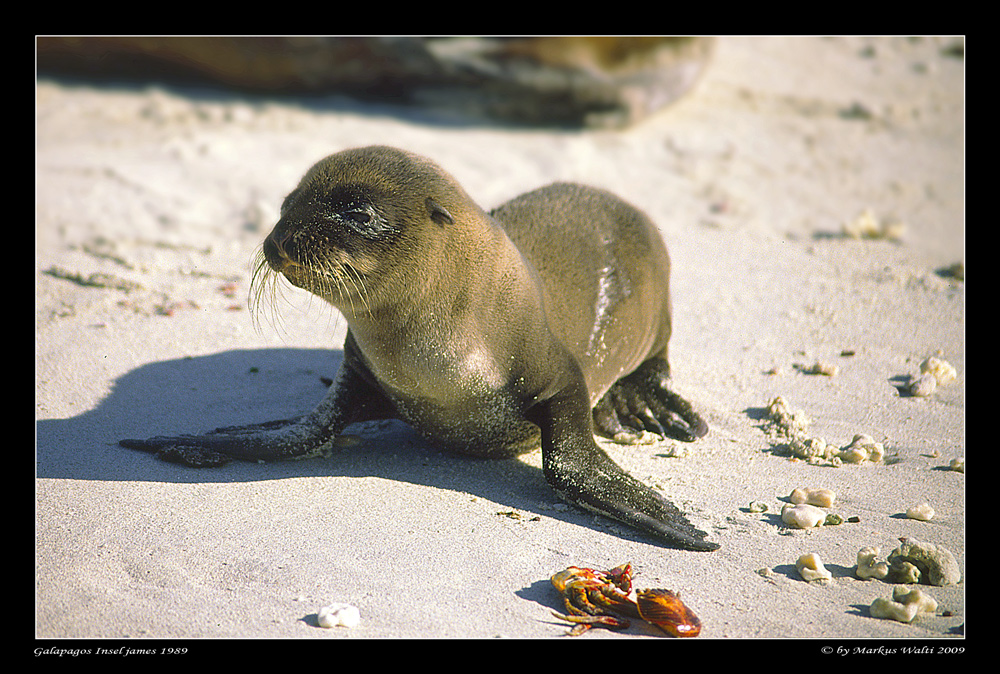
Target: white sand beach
<point>150,204</point>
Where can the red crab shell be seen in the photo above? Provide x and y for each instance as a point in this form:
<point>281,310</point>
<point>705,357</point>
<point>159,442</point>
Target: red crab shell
<point>665,609</point>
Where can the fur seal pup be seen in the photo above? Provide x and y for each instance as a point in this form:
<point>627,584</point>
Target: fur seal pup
<point>488,333</point>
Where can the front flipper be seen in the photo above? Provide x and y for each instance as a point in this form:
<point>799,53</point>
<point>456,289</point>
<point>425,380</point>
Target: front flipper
<point>582,473</point>
<point>271,441</point>
<point>642,403</point>
<point>350,399</point>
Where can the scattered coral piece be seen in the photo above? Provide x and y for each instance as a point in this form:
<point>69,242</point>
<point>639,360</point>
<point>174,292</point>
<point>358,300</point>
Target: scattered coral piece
<point>783,421</point>
<point>811,568</point>
<point>810,449</point>
<point>819,367</point>
<point>904,572</point>
<point>868,565</point>
<point>338,615</point>
<point>923,512</point>
<point>904,606</point>
<point>868,226</point>
<point>934,564</point>
<point>802,516</point>
<point>816,496</point>
<point>942,371</point>
<point>934,372</point>
<point>863,448</point>
<point>792,426</point>
<point>921,386</point>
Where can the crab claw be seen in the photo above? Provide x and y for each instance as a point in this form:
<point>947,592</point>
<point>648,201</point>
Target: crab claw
<point>621,577</point>
<point>665,609</point>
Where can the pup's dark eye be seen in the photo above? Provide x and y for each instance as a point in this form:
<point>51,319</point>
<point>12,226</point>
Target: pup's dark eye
<point>358,217</point>
<point>364,219</point>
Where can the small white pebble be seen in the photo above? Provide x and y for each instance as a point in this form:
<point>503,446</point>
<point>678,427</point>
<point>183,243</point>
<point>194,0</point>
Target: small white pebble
<point>957,464</point>
<point>802,516</point>
<point>923,512</point>
<point>811,568</point>
<point>338,615</point>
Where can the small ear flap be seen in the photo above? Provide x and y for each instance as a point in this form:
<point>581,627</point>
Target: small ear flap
<point>438,213</point>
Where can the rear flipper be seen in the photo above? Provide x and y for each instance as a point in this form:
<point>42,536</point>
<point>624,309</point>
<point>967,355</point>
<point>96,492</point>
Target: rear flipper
<point>642,403</point>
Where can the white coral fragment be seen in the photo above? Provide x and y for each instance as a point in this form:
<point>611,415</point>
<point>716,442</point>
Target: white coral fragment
<point>934,564</point>
<point>863,448</point>
<point>802,515</point>
<point>816,496</point>
<point>934,372</point>
<point>923,512</point>
<point>904,606</point>
<point>784,421</point>
<point>921,386</point>
<point>338,615</point>
<point>792,426</point>
<point>811,568</point>
<point>868,226</point>
<point>809,448</point>
<point>942,371</point>
<point>868,566</point>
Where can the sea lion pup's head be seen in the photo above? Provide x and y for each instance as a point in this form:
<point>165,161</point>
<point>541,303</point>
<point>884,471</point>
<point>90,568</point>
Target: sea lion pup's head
<point>362,223</point>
